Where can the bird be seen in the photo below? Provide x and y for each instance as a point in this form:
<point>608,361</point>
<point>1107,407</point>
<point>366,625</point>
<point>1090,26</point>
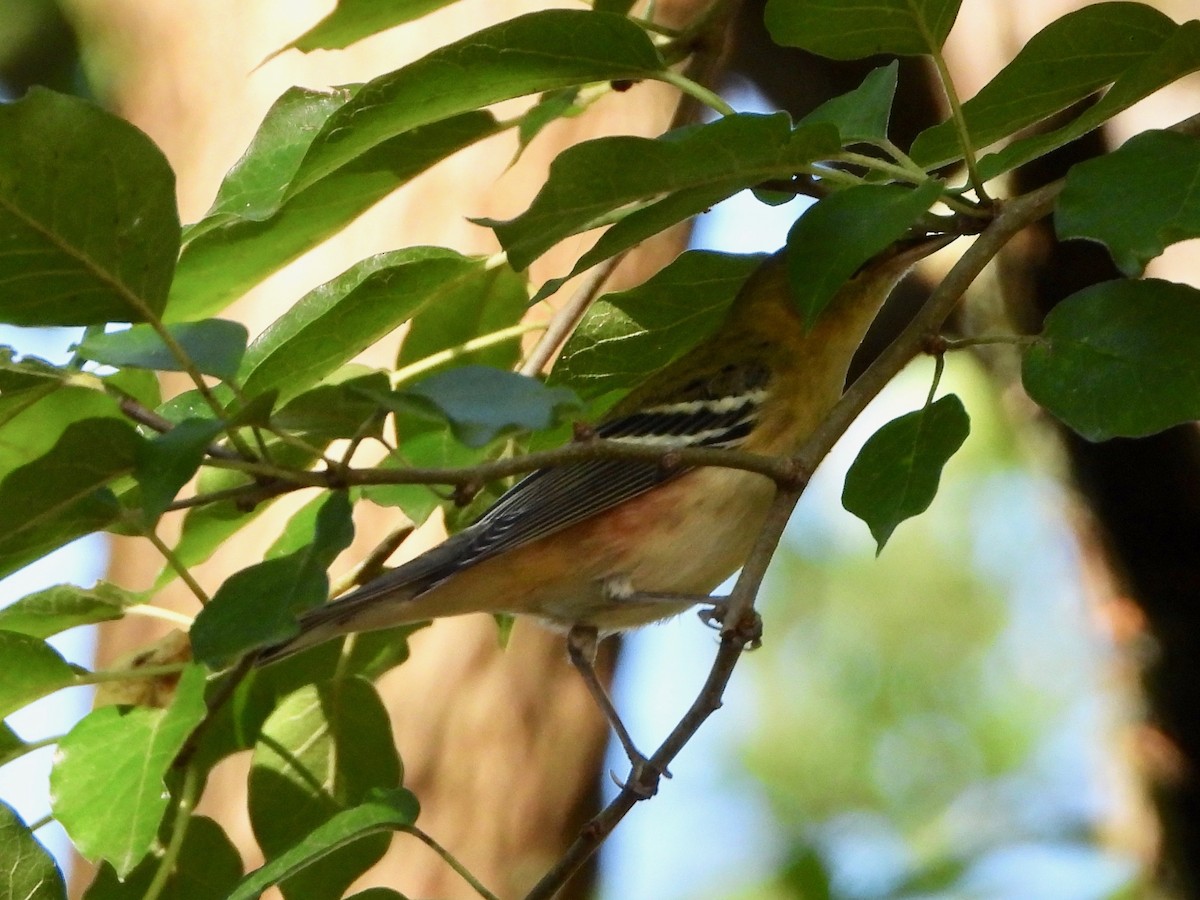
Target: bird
<point>596,547</point>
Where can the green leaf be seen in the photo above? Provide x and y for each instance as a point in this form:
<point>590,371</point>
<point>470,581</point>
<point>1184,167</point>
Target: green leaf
<point>1161,169</point>
<point>421,448</point>
<point>261,220</point>
<point>540,51</point>
<point>168,461</point>
<point>852,29</point>
<point>65,606</point>
<point>259,604</point>
<point>335,322</point>
<point>353,20</point>
<point>482,403</point>
<point>499,301</point>
<point>324,749</point>
<point>215,346</point>
<point>694,167</point>
<point>34,428</point>
<point>895,476</point>
<point>140,384</point>
<point>553,105</point>
<point>1118,359</point>
<point>61,496</point>
<point>863,113</point>
<point>343,407</point>
<point>29,871</point>
<point>1178,56</point>
<point>1070,58</point>
<point>208,868</point>
<point>628,335</point>
<point>383,811</point>
<point>107,787</point>
<point>239,722</point>
<point>836,236</point>
<point>25,382</point>
<point>11,745</point>
<point>377,893</point>
<point>88,227</point>
<point>32,669</point>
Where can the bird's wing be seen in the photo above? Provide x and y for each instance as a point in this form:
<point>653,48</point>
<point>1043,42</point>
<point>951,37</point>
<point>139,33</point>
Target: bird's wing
<point>552,499</point>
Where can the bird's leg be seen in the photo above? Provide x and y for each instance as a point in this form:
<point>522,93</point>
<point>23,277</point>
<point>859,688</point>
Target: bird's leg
<point>581,647</point>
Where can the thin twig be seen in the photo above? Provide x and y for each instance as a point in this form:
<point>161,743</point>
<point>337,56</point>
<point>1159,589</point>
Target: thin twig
<point>567,318</point>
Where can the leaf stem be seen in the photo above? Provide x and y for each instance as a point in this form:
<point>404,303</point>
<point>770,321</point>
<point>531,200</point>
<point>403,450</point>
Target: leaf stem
<point>939,366</point>
<point>150,611</point>
<point>183,815</point>
<point>956,113</point>
<point>696,91</point>
<point>482,342</point>
<point>449,860</point>
<point>1016,340</point>
<point>30,747</point>
<point>104,676</point>
<point>177,564</point>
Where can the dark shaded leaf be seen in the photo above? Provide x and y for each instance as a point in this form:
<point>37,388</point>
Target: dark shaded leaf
<point>481,403</point>
<point>863,113</point>
<point>1178,56</point>
<point>852,29</point>
<point>1070,58</point>
<point>343,407</point>
<point>837,235</point>
<point>61,495</point>
<point>628,335</point>
<point>693,167</point>
<point>215,346</point>
<point>896,475</point>
<point>208,868</point>
<point>1119,359</point>
<point>259,604</point>
<point>1161,169</point>
<point>88,227</point>
<point>168,461</point>
<point>383,811</point>
<point>324,749</point>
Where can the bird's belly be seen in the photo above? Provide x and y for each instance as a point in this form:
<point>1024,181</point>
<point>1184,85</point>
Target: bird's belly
<point>683,538</point>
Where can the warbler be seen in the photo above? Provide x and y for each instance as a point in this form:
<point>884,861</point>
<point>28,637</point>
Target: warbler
<point>604,545</point>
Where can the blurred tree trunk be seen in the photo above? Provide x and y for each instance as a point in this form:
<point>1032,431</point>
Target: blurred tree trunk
<point>502,748</point>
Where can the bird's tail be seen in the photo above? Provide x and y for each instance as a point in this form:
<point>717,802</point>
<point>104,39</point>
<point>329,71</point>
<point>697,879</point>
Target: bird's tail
<point>382,603</point>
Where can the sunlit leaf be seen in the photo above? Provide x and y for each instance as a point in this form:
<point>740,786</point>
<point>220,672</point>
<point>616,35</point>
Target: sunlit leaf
<point>107,787</point>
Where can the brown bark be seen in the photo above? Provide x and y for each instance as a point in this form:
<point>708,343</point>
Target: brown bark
<point>503,748</point>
